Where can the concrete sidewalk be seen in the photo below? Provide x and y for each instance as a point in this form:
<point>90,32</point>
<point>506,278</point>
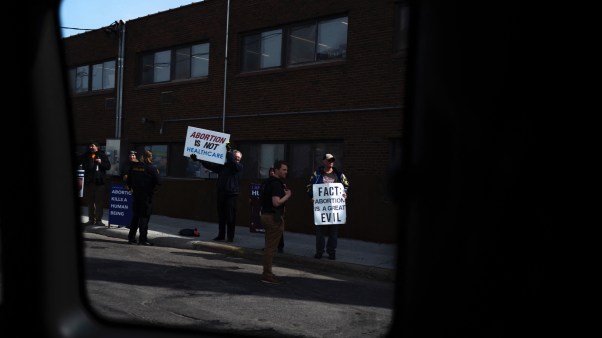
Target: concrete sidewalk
<point>353,256</point>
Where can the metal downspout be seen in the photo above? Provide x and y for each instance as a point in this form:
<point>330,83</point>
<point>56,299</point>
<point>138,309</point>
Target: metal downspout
<point>120,63</point>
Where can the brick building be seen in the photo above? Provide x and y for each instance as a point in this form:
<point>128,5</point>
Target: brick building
<point>302,78</point>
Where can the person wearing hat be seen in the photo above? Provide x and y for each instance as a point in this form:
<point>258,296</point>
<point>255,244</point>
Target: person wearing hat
<point>132,159</point>
<point>327,173</point>
<point>143,178</point>
<point>95,163</point>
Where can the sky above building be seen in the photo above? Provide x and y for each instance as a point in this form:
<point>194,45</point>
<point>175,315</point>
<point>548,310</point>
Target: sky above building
<point>79,16</point>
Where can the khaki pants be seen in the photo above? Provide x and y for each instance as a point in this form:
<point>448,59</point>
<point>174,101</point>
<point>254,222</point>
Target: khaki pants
<point>273,232</point>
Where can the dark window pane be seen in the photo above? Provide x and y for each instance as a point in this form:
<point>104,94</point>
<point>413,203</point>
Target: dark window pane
<point>182,66</point>
<point>332,39</point>
<point>302,44</point>
<point>147,66</point>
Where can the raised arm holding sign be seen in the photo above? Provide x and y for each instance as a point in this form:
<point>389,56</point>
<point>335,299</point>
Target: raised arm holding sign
<point>212,149</point>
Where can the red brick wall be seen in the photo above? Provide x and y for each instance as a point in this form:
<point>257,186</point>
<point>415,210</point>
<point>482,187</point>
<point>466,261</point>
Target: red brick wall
<point>357,95</point>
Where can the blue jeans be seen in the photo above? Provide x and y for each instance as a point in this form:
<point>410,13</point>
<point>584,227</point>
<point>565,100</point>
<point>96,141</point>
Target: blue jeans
<point>330,230</point>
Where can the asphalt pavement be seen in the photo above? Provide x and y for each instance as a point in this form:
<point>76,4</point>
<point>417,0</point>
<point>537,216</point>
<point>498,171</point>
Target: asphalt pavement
<point>374,260</point>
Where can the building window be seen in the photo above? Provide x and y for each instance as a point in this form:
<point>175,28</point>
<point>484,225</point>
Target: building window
<point>156,67</point>
<point>103,75</point>
<point>162,66</point>
<point>302,44</point>
<point>318,41</point>
<point>192,61</point>
<point>81,79</point>
<point>160,156</point>
<point>200,60</point>
<point>303,158</point>
<point>308,42</point>
<point>262,50</point>
<point>187,62</point>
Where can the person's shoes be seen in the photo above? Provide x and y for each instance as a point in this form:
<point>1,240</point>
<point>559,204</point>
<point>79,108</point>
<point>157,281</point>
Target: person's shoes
<point>132,241</point>
<point>218,238</point>
<point>145,243</point>
<point>332,256</point>
<point>270,280</point>
<point>280,250</point>
<point>230,240</point>
<point>88,223</point>
<point>318,255</point>
<point>100,223</point>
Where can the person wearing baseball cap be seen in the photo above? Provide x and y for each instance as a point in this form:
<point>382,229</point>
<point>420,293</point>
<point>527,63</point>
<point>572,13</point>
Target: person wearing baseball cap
<point>327,173</point>
<point>132,158</point>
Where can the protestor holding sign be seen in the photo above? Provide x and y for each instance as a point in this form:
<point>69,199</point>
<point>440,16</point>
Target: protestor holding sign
<point>228,189</point>
<point>327,225</point>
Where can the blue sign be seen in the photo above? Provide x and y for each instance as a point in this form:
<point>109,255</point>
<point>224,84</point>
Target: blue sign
<point>120,207</point>
<point>255,205</point>
<point>255,190</point>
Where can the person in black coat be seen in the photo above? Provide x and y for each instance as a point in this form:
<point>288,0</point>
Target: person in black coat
<point>228,189</point>
<point>143,179</point>
<point>95,163</point>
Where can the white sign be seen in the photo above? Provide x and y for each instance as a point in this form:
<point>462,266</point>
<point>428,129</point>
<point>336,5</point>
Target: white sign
<point>329,204</point>
<point>112,150</point>
<point>207,145</point>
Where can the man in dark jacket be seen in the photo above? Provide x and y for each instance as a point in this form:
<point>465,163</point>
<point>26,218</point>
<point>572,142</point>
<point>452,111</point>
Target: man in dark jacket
<point>143,178</point>
<point>95,163</point>
<point>327,173</point>
<point>228,189</point>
